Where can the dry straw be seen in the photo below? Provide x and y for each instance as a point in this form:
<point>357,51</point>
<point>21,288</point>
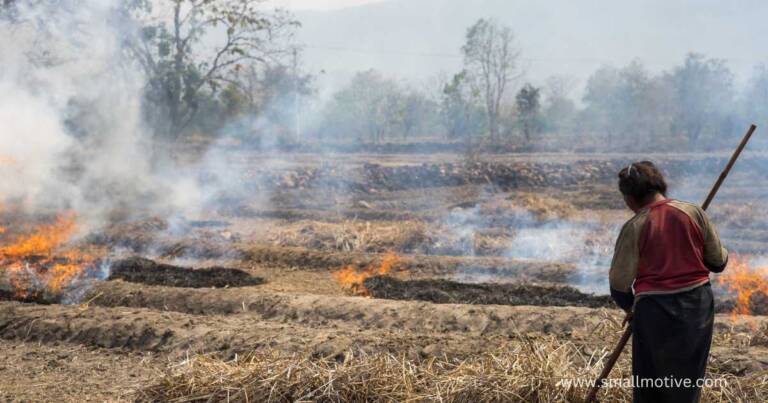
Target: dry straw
<point>530,370</point>
<point>353,236</point>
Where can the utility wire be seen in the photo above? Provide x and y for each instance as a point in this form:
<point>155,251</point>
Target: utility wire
<point>526,59</point>
<point>446,55</point>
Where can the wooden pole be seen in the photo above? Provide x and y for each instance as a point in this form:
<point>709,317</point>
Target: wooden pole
<point>728,167</point>
<point>628,331</point>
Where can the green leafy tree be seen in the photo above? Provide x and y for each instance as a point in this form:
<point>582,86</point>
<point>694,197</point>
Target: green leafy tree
<point>420,115</point>
<point>703,91</point>
<point>459,110</point>
<point>601,98</point>
<point>276,98</point>
<point>559,110</point>
<point>374,108</point>
<point>181,74</point>
<point>370,108</point>
<point>528,103</point>
<point>628,105</point>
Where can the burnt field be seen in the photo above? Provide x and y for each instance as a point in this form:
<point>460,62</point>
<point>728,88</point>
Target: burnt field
<point>357,278</point>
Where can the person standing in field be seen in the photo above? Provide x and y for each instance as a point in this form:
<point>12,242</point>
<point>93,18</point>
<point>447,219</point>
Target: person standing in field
<point>660,276</point>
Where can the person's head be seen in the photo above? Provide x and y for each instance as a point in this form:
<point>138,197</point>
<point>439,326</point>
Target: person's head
<point>640,183</point>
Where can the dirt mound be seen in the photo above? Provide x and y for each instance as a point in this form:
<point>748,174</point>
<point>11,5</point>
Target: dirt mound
<point>330,326</point>
<point>145,271</point>
<point>141,329</point>
<point>450,292</point>
<point>370,178</point>
<point>320,311</point>
<point>502,175</point>
<point>518,293</point>
<point>466,266</point>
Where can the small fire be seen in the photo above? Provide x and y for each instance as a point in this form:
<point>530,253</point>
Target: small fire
<point>353,280</point>
<point>40,263</point>
<point>744,282</point>
<point>43,241</point>
<point>7,160</point>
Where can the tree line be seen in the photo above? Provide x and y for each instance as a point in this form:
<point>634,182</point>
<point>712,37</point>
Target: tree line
<point>693,105</point>
<point>232,67</point>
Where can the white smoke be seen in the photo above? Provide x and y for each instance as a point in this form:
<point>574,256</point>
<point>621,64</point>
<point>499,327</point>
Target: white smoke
<point>70,102</point>
<point>585,242</point>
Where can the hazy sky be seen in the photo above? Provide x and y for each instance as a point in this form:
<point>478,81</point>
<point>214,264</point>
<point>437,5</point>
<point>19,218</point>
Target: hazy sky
<point>322,4</point>
<point>416,39</point>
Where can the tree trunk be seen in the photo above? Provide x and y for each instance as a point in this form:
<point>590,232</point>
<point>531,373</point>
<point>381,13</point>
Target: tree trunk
<point>527,131</point>
<point>175,88</point>
<point>493,127</point>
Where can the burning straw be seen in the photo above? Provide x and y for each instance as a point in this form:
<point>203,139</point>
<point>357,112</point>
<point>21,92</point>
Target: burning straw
<point>39,266</point>
<point>353,280</point>
<point>532,370</point>
<point>747,284</point>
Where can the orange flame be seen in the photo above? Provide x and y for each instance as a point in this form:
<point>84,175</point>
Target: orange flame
<point>353,280</point>
<point>39,262</point>
<point>43,241</point>
<point>744,281</point>
<point>6,160</point>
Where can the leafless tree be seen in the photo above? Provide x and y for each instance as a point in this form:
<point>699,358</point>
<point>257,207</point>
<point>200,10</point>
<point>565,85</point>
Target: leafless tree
<point>491,60</point>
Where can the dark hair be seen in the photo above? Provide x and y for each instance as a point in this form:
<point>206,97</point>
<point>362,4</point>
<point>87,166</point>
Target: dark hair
<point>641,180</point>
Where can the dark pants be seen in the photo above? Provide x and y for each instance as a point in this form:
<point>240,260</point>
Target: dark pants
<point>671,339</point>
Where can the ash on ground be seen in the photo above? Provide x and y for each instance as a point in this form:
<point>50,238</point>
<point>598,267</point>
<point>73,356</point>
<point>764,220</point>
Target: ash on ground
<point>450,292</point>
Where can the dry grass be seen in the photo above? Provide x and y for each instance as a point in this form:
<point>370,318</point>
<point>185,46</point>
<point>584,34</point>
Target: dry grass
<point>525,371</point>
<point>417,236</point>
<point>354,236</point>
<point>541,206</point>
<point>396,236</point>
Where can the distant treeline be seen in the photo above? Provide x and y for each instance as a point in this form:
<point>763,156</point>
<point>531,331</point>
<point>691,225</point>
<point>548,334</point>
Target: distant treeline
<point>692,106</point>
<point>223,68</point>
<point>489,106</point>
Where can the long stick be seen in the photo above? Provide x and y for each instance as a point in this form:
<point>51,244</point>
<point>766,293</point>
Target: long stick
<point>728,167</point>
<point>628,331</point>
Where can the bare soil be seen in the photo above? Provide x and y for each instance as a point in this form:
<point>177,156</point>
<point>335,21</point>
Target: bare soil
<point>69,372</point>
